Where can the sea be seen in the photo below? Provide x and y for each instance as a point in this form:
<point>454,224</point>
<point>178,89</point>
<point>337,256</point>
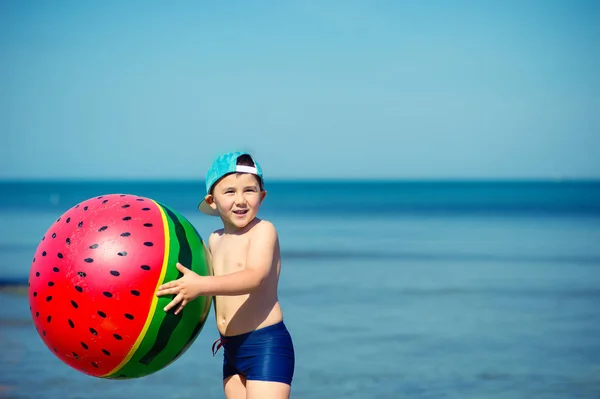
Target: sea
<point>390,289</point>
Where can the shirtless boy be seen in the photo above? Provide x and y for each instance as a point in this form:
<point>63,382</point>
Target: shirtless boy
<point>258,359</point>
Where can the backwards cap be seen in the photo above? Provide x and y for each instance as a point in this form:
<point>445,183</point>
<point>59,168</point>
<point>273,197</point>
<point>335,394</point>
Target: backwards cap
<point>222,166</point>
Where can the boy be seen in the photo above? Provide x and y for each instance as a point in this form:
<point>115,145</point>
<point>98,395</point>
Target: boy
<point>258,359</point>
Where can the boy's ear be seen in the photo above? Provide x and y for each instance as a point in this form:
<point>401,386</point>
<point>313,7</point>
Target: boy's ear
<point>210,200</point>
<point>263,194</point>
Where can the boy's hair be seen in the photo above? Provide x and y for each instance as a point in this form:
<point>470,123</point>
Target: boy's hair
<point>246,160</point>
<point>242,160</point>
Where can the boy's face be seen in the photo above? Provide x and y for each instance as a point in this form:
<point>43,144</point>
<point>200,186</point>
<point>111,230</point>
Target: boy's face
<point>237,198</point>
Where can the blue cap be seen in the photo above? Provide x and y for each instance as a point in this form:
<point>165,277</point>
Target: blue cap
<point>222,166</point>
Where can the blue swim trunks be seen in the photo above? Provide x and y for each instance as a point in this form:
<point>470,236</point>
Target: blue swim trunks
<point>266,354</point>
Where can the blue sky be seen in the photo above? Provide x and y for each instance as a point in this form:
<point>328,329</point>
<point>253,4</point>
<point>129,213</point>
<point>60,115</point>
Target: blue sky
<point>315,89</point>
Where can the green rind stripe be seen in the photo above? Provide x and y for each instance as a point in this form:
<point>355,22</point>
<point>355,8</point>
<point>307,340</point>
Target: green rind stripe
<point>163,341</point>
<point>193,318</point>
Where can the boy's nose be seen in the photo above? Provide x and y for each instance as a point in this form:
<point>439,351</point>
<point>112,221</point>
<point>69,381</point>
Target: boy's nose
<point>239,199</point>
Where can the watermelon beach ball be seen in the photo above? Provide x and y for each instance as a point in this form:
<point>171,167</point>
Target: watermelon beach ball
<point>93,283</point>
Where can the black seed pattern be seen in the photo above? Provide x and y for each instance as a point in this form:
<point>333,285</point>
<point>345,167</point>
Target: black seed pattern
<point>117,337</point>
<point>107,294</point>
<point>43,238</point>
<point>71,323</point>
<point>88,260</point>
<point>94,364</point>
<point>34,294</point>
<point>69,219</point>
<point>126,206</point>
<point>115,273</point>
<point>75,356</point>
<point>145,267</point>
<point>102,314</point>
<point>68,240</point>
<point>105,201</point>
<point>53,235</point>
<point>33,260</point>
<point>37,314</point>
<point>135,292</point>
<point>107,353</point>
<point>103,228</point>
<point>44,253</point>
<point>139,199</point>
<point>122,253</point>
<point>78,288</point>
<point>54,349</point>
<point>128,316</point>
<point>48,298</point>
<point>145,209</point>
<point>44,332</point>
<point>85,208</point>
<point>75,305</point>
<point>122,195</point>
<point>79,224</point>
<point>94,246</point>
<point>50,283</point>
<point>94,332</point>
<point>148,244</point>
<point>60,256</point>
<point>127,218</point>
<point>84,345</point>
<point>81,274</point>
<point>37,274</point>
<point>147,224</point>
<point>55,269</point>
<point>49,319</point>
<point>126,234</point>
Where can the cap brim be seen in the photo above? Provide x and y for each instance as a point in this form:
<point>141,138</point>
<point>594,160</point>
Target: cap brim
<point>206,209</point>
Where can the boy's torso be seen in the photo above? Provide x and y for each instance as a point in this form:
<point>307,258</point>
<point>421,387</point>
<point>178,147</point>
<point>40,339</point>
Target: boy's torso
<point>243,313</point>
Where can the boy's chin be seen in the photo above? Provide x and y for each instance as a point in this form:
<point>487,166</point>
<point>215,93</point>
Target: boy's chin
<point>241,223</point>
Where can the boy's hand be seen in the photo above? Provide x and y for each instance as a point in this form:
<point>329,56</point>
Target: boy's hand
<point>185,289</point>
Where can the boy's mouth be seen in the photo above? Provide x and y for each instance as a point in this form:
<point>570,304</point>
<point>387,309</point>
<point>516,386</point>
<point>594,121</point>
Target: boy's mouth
<point>241,212</point>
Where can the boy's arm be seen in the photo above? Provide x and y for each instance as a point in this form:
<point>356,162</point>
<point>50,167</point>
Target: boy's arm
<point>259,262</point>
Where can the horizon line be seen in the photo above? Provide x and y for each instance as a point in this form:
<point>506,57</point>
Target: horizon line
<point>68,180</point>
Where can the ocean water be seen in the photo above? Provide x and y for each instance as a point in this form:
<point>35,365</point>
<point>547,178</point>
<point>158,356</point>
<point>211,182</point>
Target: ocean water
<point>389,289</point>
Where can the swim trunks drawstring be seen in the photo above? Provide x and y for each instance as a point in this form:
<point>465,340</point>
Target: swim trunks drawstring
<point>221,342</point>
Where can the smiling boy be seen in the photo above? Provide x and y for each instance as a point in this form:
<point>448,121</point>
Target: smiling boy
<point>258,359</point>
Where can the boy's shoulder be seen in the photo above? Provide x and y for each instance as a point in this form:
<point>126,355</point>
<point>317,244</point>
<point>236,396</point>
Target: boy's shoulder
<point>263,225</point>
<point>214,237</point>
<point>263,228</point>
<point>263,235</point>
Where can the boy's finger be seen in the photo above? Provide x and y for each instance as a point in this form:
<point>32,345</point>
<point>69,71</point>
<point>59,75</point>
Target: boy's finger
<point>182,268</point>
<point>166,292</point>
<point>170,284</point>
<point>181,307</point>
<point>173,303</point>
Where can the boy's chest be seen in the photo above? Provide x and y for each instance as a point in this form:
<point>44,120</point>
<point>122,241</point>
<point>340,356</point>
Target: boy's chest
<point>230,255</point>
